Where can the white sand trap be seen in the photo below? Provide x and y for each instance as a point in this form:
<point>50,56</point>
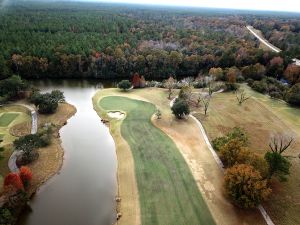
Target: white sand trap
<point>116,115</point>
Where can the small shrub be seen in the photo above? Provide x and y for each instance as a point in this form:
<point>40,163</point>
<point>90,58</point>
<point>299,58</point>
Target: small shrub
<point>231,86</point>
<point>124,85</point>
<point>260,86</point>
<point>276,94</point>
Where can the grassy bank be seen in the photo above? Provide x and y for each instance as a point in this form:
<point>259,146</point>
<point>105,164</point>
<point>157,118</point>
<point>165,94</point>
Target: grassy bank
<point>51,157</point>
<point>10,116</point>
<point>261,117</point>
<point>168,193</point>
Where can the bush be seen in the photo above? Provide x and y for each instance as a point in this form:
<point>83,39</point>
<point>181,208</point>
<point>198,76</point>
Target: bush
<point>26,176</point>
<point>260,86</point>
<point>278,165</point>
<point>231,86</point>
<point>235,133</point>
<point>230,152</point>
<point>48,102</point>
<point>250,82</point>
<point>185,92</point>
<point>245,186</point>
<point>293,95</point>
<point>29,143</point>
<point>124,85</point>
<point>14,180</point>
<point>240,79</point>
<point>47,106</point>
<point>180,108</point>
<point>276,94</point>
<point>219,142</point>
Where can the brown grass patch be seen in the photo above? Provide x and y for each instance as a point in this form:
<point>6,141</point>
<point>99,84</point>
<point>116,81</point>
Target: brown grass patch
<point>259,121</point>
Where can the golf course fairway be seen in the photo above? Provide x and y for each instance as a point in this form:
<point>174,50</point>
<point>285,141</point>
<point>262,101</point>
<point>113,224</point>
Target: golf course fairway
<point>168,193</point>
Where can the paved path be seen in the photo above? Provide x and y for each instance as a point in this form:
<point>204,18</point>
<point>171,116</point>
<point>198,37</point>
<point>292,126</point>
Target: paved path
<point>219,162</point>
<point>272,47</point>
<point>13,158</point>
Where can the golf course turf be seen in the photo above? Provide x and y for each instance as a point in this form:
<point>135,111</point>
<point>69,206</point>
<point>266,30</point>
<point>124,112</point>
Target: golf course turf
<point>7,118</point>
<point>168,193</point>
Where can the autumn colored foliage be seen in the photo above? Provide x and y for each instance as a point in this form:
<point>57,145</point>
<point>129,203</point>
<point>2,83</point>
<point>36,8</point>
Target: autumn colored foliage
<point>14,180</point>
<point>292,73</point>
<point>25,175</point>
<point>245,186</point>
<point>136,80</point>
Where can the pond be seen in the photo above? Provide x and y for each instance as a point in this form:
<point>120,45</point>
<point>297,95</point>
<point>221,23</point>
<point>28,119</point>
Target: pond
<point>84,190</point>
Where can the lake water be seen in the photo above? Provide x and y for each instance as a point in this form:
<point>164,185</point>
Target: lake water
<point>83,193</point>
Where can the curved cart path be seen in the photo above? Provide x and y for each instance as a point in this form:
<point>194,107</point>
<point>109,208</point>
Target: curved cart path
<point>221,219</point>
<point>13,158</point>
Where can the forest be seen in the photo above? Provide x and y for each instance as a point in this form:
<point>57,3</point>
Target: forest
<point>108,41</point>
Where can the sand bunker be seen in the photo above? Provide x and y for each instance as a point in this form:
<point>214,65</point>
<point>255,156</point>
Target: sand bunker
<point>116,115</point>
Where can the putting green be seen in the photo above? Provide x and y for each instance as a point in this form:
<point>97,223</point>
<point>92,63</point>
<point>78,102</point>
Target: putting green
<point>7,118</point>
<point>168,193</point>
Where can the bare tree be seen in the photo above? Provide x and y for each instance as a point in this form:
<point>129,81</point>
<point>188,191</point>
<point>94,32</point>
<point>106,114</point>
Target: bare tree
<point>158,114</point>
<point>210,88</point>
<point>170,83</point>
<point>205,101</point>
<point>199,99</point>
<point>280,143</point>
<point>241,96</point>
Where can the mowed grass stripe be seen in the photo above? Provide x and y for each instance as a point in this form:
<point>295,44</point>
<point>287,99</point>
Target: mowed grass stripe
<point>167,190</point>
<point>7,118</point>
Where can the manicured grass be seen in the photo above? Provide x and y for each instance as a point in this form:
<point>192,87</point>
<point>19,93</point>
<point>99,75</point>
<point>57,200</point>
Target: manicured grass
<point>167,190</point>
<point>261,117</point>
<point>7,118</point>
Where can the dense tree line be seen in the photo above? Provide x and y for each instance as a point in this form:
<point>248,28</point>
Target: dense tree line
<point>107,41</point>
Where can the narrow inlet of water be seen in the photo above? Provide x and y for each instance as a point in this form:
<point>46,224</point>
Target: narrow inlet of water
<point>83,193</point>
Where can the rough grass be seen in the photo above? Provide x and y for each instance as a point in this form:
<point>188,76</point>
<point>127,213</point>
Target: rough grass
<point>167,190</point>
<point>7,118</point>
<point>261,117</point>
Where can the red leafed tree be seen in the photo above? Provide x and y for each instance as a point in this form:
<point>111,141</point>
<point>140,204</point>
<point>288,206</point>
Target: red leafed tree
<point>292,73</point>
<point>136,80</point>
<point>97,54</point>
<point>14,180</point>
<point>25,175</point>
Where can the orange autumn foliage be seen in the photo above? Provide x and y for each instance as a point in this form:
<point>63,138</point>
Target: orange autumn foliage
<point>14,180</point>
<point>245,186</point>
<point>25,175</point>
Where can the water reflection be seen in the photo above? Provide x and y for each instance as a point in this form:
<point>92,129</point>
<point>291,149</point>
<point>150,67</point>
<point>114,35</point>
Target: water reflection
<point>83,192</point>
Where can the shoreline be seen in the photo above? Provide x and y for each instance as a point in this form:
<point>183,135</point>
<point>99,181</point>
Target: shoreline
<point>127,196</point>
<point>51,158</point>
